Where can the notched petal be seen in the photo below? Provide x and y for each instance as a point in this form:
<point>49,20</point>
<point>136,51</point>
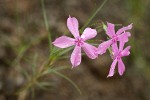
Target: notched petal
<point>89,33</point>
<point>126,51</point>
<point>121,30</point>
<point>124,37</point>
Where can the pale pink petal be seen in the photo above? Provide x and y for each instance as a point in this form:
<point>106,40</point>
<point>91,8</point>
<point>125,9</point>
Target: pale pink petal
<point>64,42</point>
<point>90,50</point>
<point>124,37</point>
<point>121,67</point>
<point>121,45</point>
<point>76,56</point>
<point>112,68</point>
<point>88,33</point>
<point>126,51</point>
<point>114,48</point>
<point>110,30</point>
<point>103,47</point>
<point>124,29</point>
<point>72,24</point>
<point>123,40</point>
<point>128,34</point>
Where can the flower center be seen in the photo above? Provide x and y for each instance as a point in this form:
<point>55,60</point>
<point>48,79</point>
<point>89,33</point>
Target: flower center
<point>79,41</point>
<point>114,39</point>
<point>118,56</point>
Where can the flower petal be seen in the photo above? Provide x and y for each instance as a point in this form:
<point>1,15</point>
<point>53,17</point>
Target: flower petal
<point>88,33</point>
<point>123,40</point>
<point>121,45</point>
<point>126,51</point>
<point>115,48</point>
<point>76,56</point>
<point>121,67</point>
<point>63,42</point>
<point>110,30</point>
<point>72,24</point>
<point>90,50</point>
<point>103,47</point>
<point>124,37</point>
<point>124,29</point>
<point>112,68</point>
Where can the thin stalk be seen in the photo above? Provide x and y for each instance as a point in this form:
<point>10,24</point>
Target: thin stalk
<point>46,25</point>
<point>29,84</point>
<point>34,79</point>
<point>63,76</point>
<point>93,15</point>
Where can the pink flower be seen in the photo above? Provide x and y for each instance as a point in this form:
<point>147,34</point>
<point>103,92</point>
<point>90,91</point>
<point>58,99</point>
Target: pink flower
<point>114,37</point>
<point>117,57</point>
<point>78,41</point>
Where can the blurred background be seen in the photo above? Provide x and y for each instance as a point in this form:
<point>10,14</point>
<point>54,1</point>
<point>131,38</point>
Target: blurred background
<point>24,42</point>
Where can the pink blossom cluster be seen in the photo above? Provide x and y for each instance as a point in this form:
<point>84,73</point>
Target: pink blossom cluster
<point>116,43</point>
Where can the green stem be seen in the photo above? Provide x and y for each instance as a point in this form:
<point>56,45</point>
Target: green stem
<point>63,76</point>
<point>34,79</point>
<point>93,15</point>
<point>46,25</point>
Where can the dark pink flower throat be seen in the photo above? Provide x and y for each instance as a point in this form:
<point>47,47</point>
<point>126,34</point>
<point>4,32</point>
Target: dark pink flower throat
<point>114,39</point>
<point>118,56</point>
<point>79,41</point>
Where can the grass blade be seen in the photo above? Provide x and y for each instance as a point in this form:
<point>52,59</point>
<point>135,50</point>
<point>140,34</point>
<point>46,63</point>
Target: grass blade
<point>93,15</point>
<point>46,25</point>
<point>65,77</point>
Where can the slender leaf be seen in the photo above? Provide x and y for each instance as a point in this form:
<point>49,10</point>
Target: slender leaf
<point>93,15</point>
<point>32,93</point>
<point>50,70</point>
<point>46,24</point>
<point>65,77</point>
<point>44,85</point>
